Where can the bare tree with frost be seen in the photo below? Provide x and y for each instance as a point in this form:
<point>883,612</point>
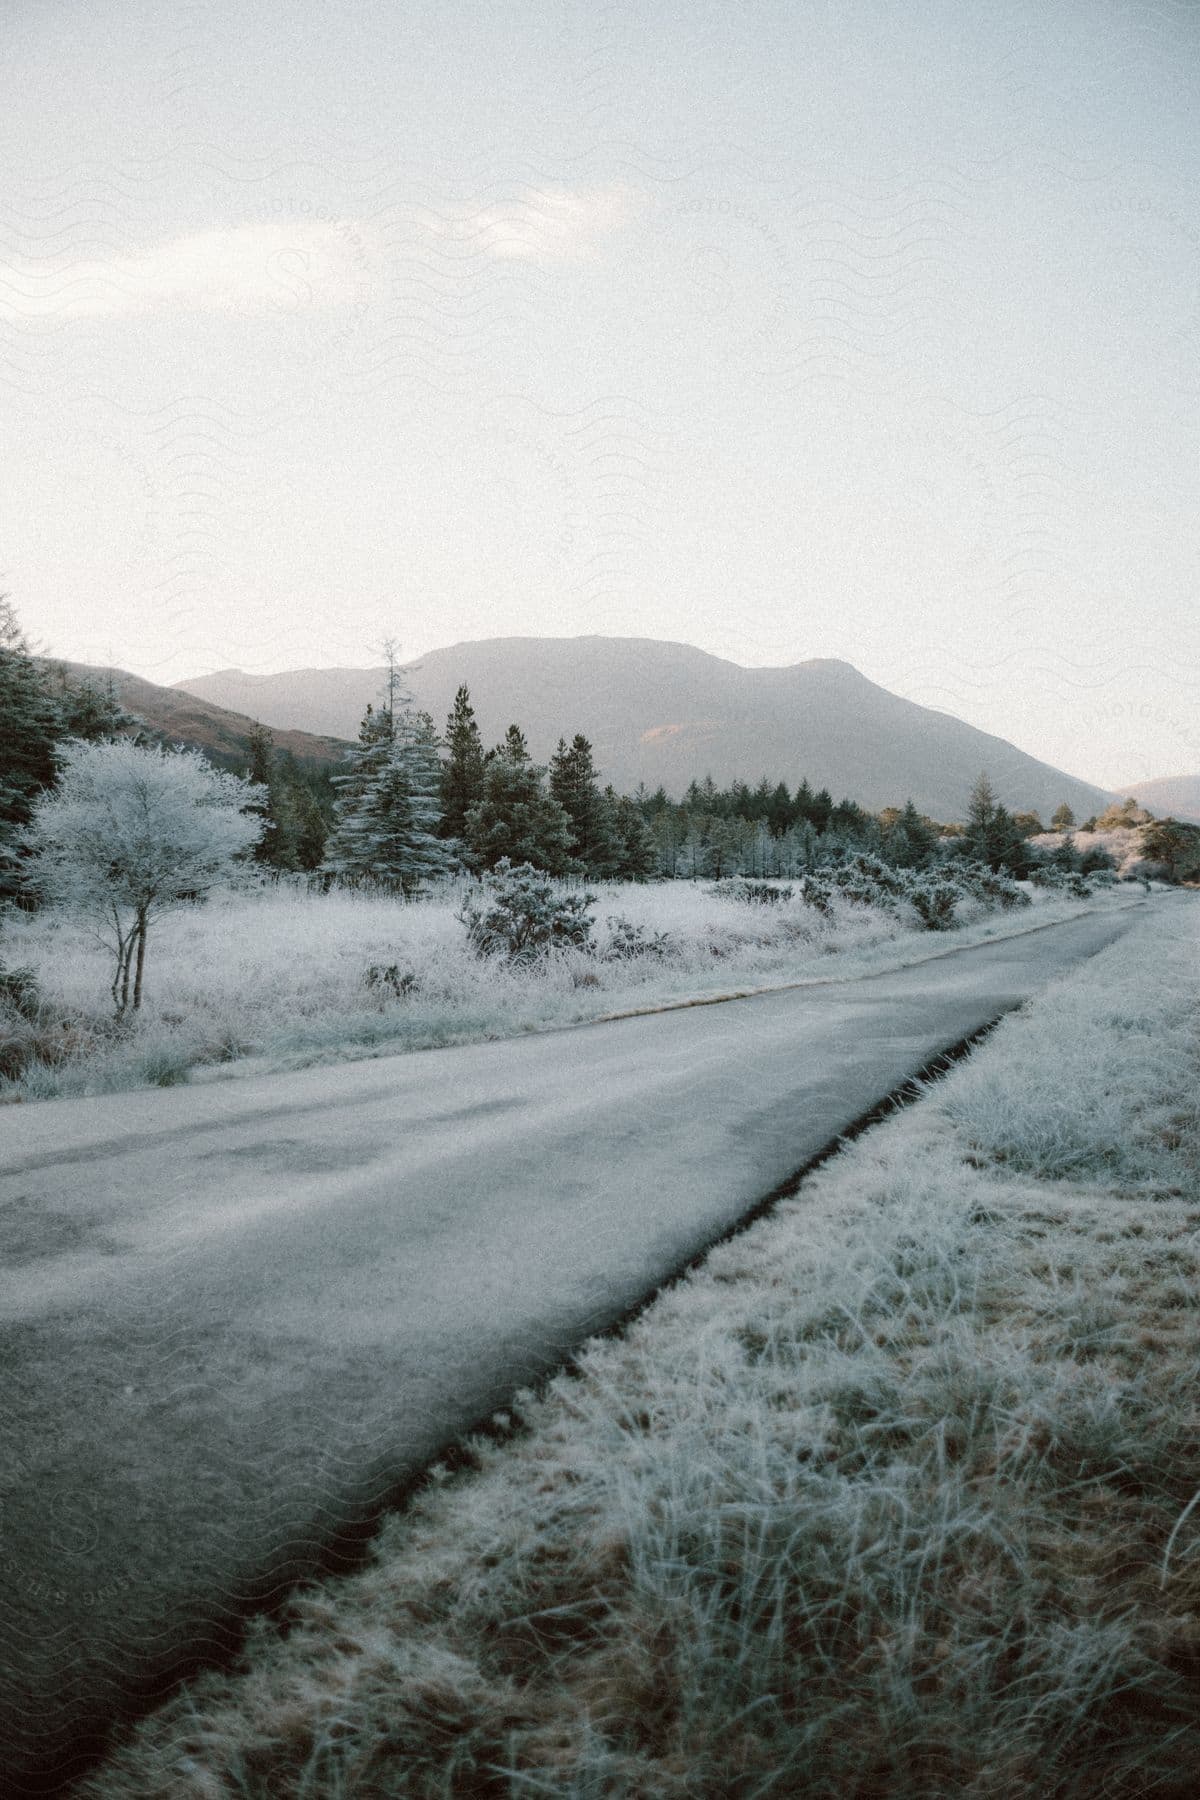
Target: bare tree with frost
<point>130,833</point>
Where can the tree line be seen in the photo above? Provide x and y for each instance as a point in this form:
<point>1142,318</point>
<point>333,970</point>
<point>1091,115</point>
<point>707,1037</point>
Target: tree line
<point>410,803</point>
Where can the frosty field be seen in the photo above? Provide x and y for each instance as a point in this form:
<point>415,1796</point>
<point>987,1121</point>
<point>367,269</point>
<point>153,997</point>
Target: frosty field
<point>278,978</point>
<point>894,1495</point>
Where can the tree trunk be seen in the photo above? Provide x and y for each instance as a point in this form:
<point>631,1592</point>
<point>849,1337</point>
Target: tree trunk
<point>140,933</point>
<point>120,986</point>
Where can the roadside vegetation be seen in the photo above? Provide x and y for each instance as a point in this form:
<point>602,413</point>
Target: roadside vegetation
<point>279,977</point>
<point>895,1494</point>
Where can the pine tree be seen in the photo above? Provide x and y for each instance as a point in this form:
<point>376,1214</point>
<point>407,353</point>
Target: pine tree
<point>462,776</point>
<point>389,807</point>
<point>573,784</point>
<point>1062,818</point>
<point>637,851</point>
<point>30,727</point>
<point>981,808</point>
<point>781,814</point>
<point>513,745</point>
<point>919,835</point>
<point>1005,846</point>
<point>514,816</point>
<point>88,711</point>
<point>276,848</point>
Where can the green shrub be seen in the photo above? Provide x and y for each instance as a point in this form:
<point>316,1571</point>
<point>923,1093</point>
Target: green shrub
<point>934,902</point>
<point>522,913</point>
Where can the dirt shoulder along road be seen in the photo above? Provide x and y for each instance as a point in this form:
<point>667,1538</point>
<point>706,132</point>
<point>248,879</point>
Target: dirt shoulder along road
<point>237,1318</point>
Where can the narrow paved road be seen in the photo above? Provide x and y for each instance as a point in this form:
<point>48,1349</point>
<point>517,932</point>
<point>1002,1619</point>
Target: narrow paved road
<point>233,1317</point>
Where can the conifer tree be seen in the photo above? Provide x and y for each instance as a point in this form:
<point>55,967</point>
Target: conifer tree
<point>312,831</point>
<point>515,817</point>
<point>636,849</point>
<point>30,727</point>
<point>781,814</point>
<point>276,847</point>
<point>981,809</point>
<point>40,708</point>
<point>389,804</point>
<point>573,783</point>
<point>462,776</point>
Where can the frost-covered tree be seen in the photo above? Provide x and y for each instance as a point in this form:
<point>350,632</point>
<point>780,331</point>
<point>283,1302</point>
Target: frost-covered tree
<point>132,832</point>
<point>389,803</point>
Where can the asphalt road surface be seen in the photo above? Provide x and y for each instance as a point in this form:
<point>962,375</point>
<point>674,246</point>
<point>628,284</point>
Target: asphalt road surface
<point>235,1317</point>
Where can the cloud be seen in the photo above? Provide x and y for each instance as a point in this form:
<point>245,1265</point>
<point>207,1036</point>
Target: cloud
<point>281,265</point>
<point>545,224</point>
<point>273,266</point>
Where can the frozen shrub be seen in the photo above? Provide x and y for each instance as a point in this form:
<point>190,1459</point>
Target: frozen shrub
<point>19,990</point>
<point>1062,880</point>
<point>389,978</point>
<point>934,901</point>
<point>749,893</point>
<point>626,940</point>
<point>521,913</point>
<point>982,883</point>
<point>817,891</point>
<point>863,879</point>
<point>27,1042</point>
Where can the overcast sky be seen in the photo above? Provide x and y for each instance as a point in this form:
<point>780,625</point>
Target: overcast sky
<point>785,330</point>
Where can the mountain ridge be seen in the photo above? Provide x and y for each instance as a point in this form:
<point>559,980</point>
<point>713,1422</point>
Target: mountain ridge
<point>176,715</point>
<point>1176,795</point>
<point>667,713</point>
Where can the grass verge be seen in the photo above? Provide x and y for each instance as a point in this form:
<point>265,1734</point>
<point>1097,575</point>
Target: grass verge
<point>278,979</point>
<point>893,1495</point>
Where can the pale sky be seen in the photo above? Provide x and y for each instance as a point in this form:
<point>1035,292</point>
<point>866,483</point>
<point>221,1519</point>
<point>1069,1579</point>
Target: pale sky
<point>785,330</point>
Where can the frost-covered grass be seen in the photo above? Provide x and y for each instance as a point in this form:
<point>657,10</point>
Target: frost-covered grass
<point>275,978</point>
<point>892,1496</point>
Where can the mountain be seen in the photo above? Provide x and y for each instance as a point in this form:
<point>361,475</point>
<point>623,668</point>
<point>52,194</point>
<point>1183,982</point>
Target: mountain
<point>177,716</point>
<point>665,713</point>
<point>1169,796</point>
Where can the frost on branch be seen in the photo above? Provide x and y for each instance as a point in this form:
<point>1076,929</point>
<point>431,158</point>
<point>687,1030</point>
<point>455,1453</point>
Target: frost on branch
<point>130,833</point>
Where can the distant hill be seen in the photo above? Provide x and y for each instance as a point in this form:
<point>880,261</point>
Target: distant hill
<point>177,716</point>
<point>1170,796</point>
<point>665,713</point>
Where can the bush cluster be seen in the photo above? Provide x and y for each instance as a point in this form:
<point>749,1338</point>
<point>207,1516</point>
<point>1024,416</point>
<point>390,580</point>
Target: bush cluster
<point>750,893</point>
<point>520,913</point>
<point>933,895</point>
<point>626,940</point>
